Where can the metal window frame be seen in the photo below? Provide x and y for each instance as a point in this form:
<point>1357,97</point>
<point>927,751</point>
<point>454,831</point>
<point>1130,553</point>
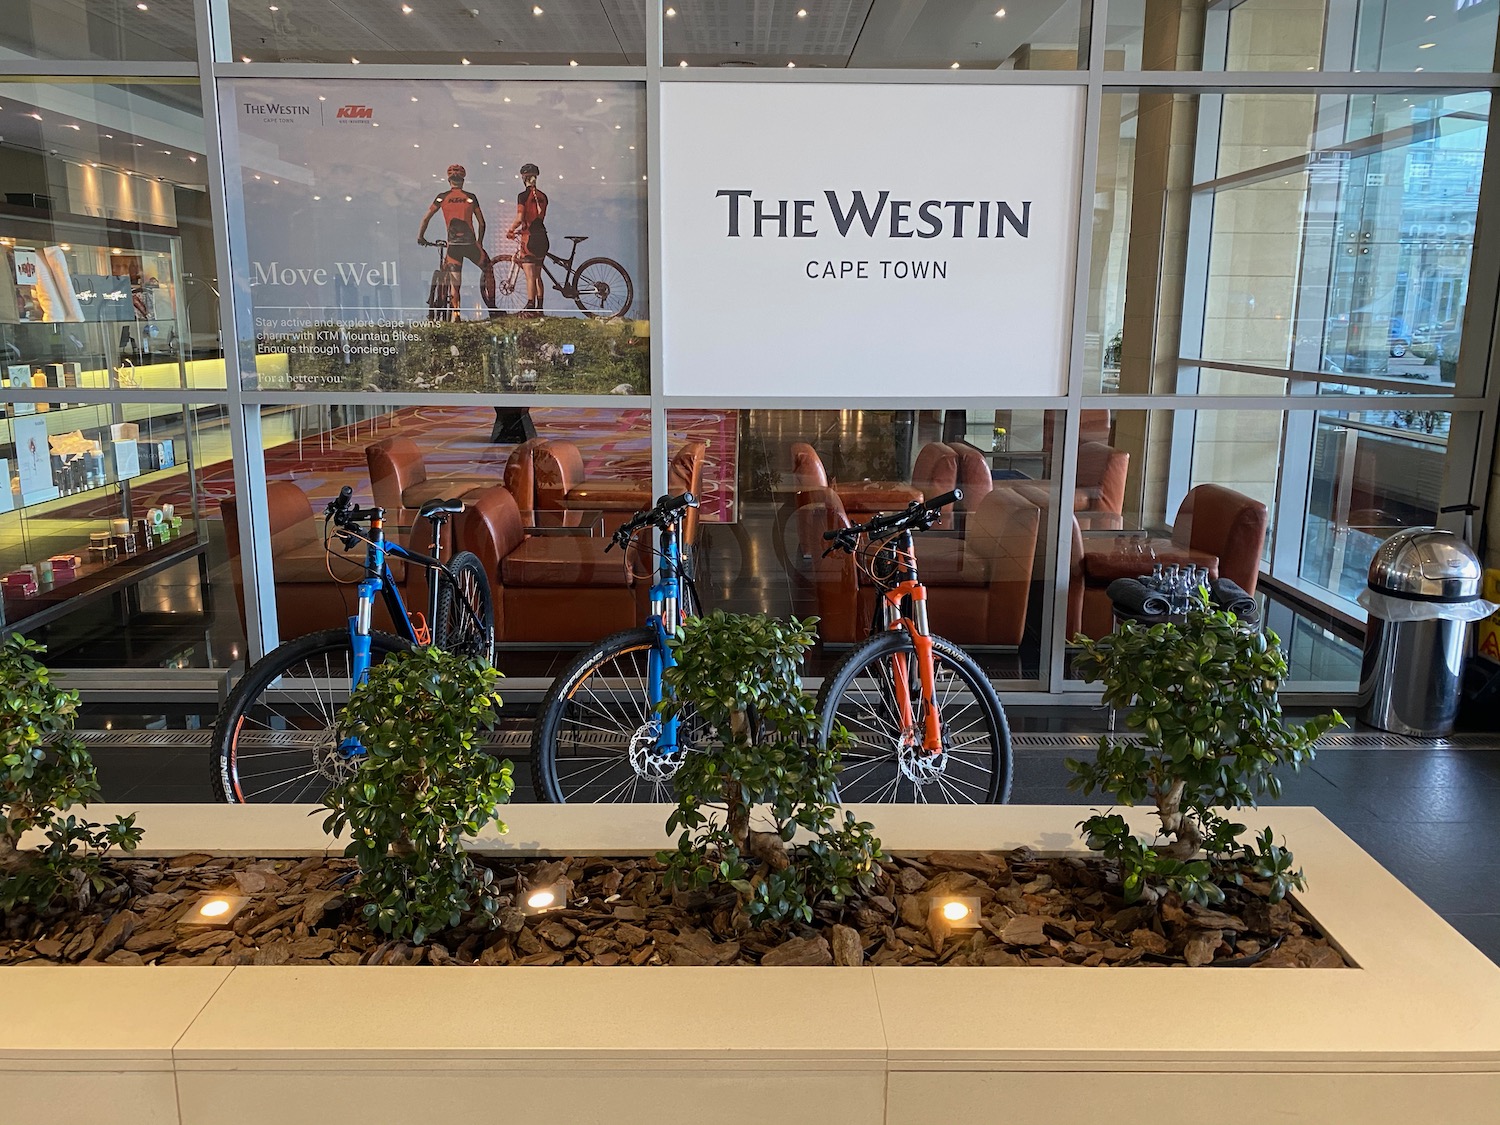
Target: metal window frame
<point>1476,397</point>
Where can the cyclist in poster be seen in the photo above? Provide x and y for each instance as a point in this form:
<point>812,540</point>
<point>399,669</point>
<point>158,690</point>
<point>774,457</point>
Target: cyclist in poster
<point>464,221</point>
<point>530,224</point>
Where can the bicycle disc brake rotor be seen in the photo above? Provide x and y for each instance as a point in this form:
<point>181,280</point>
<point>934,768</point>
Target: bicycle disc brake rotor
<point>648,762</point>
<point>918,765</point>
<point>332,762</point>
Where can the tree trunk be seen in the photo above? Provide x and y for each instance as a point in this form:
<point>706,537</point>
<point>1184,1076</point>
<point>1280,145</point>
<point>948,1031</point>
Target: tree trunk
<point>1186,839</point>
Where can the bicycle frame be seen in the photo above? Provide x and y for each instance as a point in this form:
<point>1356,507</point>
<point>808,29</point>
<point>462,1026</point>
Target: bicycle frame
<point>902,551</point>
<point>664,619</point>
<point>378,580</point>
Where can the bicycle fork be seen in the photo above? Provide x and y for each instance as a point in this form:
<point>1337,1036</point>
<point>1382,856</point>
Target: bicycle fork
<point>916,627</point>
<point>663,623</point>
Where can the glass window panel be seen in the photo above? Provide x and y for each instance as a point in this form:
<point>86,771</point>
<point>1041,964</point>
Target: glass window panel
<point>111,548</point>
<point>1050,35</point>
<point>110,30</point>
<point>427,32</point>
<point>1324,233</point>
<point>1290,35</point>
<point>759,541</point>
<point>341,179</point>
<point>1373,473</point>
<point>1196,480</point>
<point>538,518</point>
<point>105,233</point>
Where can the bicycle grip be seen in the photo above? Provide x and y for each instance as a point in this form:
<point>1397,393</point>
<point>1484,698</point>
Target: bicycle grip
<point>834,534</point>
<point>945,499</point>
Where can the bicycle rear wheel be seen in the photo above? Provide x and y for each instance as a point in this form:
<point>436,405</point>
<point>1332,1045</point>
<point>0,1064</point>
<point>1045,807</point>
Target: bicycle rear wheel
<point>595,740</point>
<point>275,738</point>
<point>465,616</point>
<point>604,288</point>
<point>886,762</point>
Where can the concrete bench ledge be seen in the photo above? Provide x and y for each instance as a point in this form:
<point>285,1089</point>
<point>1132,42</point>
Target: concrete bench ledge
<point>1412,1034</point>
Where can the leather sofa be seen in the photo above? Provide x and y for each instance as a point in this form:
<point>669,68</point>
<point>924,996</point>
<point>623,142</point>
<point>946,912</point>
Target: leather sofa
<point>551,588</point>
<point>308,597</point>
<point>978,582</point>
<point>561,483</point>
<point>1216,527</point>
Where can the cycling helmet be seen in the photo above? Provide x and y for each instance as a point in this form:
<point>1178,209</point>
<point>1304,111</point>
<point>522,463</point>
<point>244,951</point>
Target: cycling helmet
<point>457,170</point>
<point>530,170</point>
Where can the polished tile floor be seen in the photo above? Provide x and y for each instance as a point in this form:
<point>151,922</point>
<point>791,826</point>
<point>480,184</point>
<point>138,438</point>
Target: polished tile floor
<point>1430,813</point>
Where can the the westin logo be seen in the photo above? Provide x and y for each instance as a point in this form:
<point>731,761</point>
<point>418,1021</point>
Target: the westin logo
<point>355,112</point>
<point>277,109</point>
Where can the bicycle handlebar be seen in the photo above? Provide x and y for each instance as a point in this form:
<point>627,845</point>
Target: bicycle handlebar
<point>919,515</point>
<point>667,511</point>
<point>344,514</point>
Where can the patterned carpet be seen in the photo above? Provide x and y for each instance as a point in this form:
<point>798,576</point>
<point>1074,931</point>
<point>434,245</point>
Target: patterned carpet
<point>455,440</point>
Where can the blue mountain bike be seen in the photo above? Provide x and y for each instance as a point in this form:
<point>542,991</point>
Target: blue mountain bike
<point>598,737</point>
<point>276,738</point>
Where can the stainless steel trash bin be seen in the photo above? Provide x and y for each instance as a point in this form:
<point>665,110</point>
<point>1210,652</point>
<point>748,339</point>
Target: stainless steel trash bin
<point>1423,592</point>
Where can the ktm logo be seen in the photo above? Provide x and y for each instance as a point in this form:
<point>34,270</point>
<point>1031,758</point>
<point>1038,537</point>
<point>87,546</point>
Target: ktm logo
<point>355,111</point>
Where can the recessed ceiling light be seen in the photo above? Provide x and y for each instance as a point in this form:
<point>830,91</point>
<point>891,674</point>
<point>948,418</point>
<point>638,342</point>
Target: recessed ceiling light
<point>536,126</point>
<point>274,8</point>
<point>194,159</point>
<point>801,13</point>
<point>632,148</point>
<point>1000,14</point>
<point>1429,19</point>
<point>598,101</point>
<point>317,197</point>
<point>464,61</point>
<point>953,67</point>
<point>321,98</point>
<point>406,9</point>
<point>792,65</point>
<point>1420,68</point>
<point>683,63</point>
<point>141,7</point>
<point>616,126</point>
<point>348,199</point>
<point>536,9</point>
<point>34,116</point>
<point>257,175</point>
<point>413,98</point>
<point>489,146</point>
<point>354,60</point>
<point>416,146</point>
<point>455,124</point>
<point>572,62</point>
<point>559,148</point>
<point>1424,46</point>
<point>507,99</point>
<point>670,12</point>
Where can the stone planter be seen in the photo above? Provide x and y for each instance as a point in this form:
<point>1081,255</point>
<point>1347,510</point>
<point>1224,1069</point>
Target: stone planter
<point>1412,1034</point>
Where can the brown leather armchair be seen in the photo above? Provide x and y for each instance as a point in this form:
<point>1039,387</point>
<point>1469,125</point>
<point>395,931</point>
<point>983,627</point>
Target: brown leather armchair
<point>1216,527</point>
<point>1099,492</point>
<point>935,472</point>
<point>308,598</point>
<point>974,475</point>
<point>550,588</point>
<point>520,473</point>
<point>685,474</point>
<point>979,583</point>
<point>562,483</point>
<point>399,480</point>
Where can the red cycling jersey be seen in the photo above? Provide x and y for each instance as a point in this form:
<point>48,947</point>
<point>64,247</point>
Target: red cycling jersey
<point>533,204</point>
<point>460,212</point>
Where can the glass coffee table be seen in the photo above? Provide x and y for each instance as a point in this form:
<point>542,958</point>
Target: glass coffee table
<point>583,521</point>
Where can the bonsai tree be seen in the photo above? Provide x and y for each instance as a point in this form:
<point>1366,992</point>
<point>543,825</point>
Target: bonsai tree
<point>757,771</point>
<point>422,784</point>
<point>1203,696</point>
<point>44,772</point>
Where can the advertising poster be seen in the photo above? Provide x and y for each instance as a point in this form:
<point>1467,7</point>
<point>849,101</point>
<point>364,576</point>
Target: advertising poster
<point>417,235</point>
<point>879,240</point>
<point>34,460</point>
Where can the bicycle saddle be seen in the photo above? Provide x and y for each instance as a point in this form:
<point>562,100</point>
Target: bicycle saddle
<point>440,508</point>
<point>577,238</point>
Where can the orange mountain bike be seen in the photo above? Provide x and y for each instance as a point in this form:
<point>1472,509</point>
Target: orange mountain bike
<point>926,722</point>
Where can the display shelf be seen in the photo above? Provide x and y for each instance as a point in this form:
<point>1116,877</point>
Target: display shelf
<point>93,581</point>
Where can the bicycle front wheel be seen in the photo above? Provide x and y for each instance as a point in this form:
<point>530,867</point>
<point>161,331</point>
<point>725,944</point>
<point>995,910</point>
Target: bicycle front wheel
<point>465,616</point>
<point>604,288</point>
<point>886,761</point>
<point>597,737</point>
<point>510,284</point>
<point>275,739</point>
